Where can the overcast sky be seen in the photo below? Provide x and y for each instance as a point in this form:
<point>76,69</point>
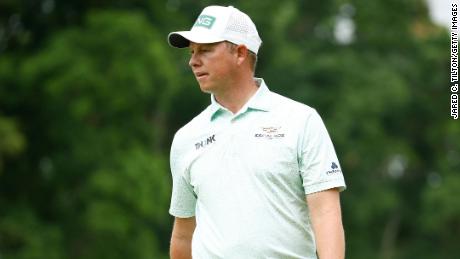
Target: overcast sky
<point>440,11</point>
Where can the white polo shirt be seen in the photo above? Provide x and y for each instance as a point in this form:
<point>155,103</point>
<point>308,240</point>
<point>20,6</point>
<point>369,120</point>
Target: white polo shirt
<point>245,176</point>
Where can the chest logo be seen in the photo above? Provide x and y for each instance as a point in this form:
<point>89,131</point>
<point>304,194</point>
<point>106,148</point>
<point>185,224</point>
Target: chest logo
<point>270,133</point>
<point>205,142</point>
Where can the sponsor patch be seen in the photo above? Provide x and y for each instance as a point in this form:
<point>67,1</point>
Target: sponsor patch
<point>206,21</point>
<point>270,133</point>
<point>205,142</point>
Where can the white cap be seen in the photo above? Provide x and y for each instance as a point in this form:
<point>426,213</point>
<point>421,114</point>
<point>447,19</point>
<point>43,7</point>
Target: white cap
<point>216,24</point>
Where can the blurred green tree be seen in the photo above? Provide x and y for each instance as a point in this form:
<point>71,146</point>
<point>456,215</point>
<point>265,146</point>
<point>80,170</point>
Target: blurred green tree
<point>91,95</point>
<point>95,98</point>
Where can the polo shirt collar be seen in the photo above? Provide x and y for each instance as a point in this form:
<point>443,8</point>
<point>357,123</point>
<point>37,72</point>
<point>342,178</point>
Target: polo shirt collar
<point>259,101</point>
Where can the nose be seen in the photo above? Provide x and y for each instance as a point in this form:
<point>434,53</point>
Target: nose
<point>194,60</point>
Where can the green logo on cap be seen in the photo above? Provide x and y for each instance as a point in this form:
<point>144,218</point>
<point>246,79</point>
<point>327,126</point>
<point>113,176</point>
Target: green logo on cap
<point>205,21</point>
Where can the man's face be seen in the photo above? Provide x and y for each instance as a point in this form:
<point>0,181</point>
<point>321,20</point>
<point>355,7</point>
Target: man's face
<point>213,65</point>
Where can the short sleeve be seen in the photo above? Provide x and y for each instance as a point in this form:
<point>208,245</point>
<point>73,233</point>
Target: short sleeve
<point>183,198</point>
<point>319,167</point>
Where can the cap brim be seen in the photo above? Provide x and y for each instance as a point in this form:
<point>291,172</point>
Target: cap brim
<point>182,39</point>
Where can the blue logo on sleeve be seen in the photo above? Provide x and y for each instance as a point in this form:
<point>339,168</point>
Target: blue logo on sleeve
<point>334,166</point>
<point>335,169</point>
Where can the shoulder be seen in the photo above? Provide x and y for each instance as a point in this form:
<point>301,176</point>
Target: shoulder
<point>193,128</point>
<point>289,107</point>
<point>299,116</point>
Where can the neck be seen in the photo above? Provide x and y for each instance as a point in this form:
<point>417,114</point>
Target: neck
<point>237,94</point>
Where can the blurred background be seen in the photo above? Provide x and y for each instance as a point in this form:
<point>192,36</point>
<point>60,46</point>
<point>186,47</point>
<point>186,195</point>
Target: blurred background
<point>91,96</point>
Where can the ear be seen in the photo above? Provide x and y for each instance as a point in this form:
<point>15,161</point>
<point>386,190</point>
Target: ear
<point>242,54</point>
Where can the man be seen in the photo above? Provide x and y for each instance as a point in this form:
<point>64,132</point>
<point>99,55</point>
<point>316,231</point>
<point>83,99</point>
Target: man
<point>255,175</point>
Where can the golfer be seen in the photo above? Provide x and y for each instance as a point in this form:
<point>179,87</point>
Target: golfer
<point>255,174</point>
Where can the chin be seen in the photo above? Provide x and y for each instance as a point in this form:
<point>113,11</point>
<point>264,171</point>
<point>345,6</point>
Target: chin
<point>206,88</point>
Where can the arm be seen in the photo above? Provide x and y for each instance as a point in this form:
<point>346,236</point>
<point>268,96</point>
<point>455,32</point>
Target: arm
<point>326,219</point>
<point>181,239</point>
